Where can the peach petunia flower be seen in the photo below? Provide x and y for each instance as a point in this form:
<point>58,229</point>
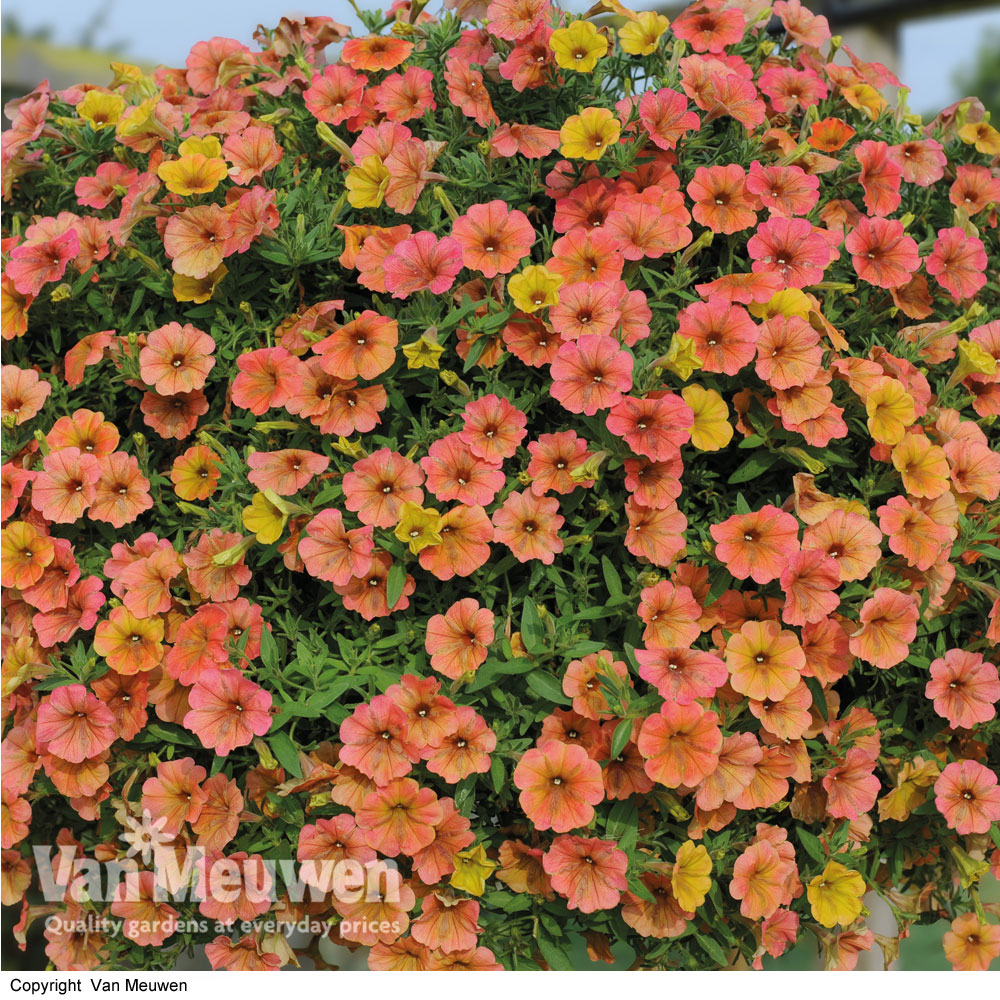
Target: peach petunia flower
<point>560,785</point>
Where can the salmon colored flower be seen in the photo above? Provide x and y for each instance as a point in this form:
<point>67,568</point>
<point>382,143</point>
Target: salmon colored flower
<point>333,553</point>
<point>664,917</point>
<point>888,624</point>
<point>465,535</point>
<point>966,794</point>
<point>458,641</point>
<point>333,96</point>
<point>400,817</point>
<point>591,374</point>
<point>66,485</point>
<point>882,253</point>
<point>665,116</point>
<point>790,248</point>
<point>528,525</point>
<point>378,486</point>
<point>851,788</point>
<point>376,741</point>
<point>175,795</point>
<point>215,565</point>
<point>710,28</point>
<point>964,688</point>
<point>194,239</point>
<point>422,262</point>
<point>227,710</point>
<point>721,200</point>
<point>654,426</point>
<point>852,540</point>
<point>958,262</point>
<point>364,347</point>
<point>466,750</point>
<point>494,239</point>
<point>173,416</point>
<point>35,263</point>
<point>554,457</point>
<point>681,744</point>
<point>835,895</point>
<point>759,880</point>
<point>287,471</point>
<point>122,492</point>
<point>492,428</point>
<point>589,872</point>
<point>830,134</point>
<point>73,724</point>
<point>560,785</point>
<point>970,945</point>
<point>375,52</point>
<point>724,335</point>
<point>808,582</point>
<point>682,675</point>
<point>147,920</point>
<point>756,545</point>
<point>447,923</point>
<point>788,352</point>
<point>912,534</point>
<point>880,177</point>
<point>582,683</point>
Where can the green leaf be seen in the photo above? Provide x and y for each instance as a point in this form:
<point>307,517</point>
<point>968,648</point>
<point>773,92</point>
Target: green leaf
<point>268,649</point>
<point>812,845</point>
<point>548,688</point>
<point>394,584</point>
<point>497,773</point>
<point>611,579</point>
<point>557,959</point>
<point>532,633</point>
<point>285,752</point>
<point>712,949</point>
<point>757,464</point>
<point>622,733</point>
<point>819,698</point>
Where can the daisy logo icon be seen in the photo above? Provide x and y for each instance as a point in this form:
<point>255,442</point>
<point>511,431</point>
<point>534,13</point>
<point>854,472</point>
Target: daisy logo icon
<point>145,838</point>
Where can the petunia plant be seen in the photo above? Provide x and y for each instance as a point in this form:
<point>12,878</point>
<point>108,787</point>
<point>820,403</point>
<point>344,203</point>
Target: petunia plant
<point>501,486</point>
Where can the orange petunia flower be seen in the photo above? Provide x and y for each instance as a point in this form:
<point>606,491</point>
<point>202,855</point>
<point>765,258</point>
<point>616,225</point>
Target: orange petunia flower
<point>966,794</point>
<point>375,52</point>
<point>560,785</point>
<point>25,554</point>
<point>852,540</point>
<point>756,545</point>
<point>964,688</point>
<point>888,624</point>
<point>66,485</point>
<point>721,200</point>
<point>399,818</point>
<point>376,740</point>
<point>765,662</point>
<point>664,917</point>
<point>589,872</point>
<point>681,744</point>
<point>364,347</point>
<point>759,878</point>
<point>458,641</point>
<point>970,945</point>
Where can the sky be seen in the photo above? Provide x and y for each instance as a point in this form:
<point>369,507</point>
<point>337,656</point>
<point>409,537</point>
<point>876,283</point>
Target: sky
<point>932,49</point>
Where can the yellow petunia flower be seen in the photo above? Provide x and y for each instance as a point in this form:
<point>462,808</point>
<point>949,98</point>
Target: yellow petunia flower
<point>864,98</point>
<point>712,430</point>
<point>193,174</point>
<point>367,183</point>
<point>835,895</point>
<point>536,287</point>
<point>198,290</point>
<point>983,136</point>
<point>787,302</point>
<point>265,518</point>
<point>641,36</point>
<point>578,46</point>
<point>690,879</point>
<point>890,411</point>
<point>207,145</point>
<point>425,352</point>
<point>590,134</point>
<point>472,869</point>
<point>418,526</point>
<point>100,109</point>
<point>681,358</point>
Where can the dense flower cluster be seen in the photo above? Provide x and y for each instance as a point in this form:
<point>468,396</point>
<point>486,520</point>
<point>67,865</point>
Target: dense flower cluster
<point>554,454</point>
